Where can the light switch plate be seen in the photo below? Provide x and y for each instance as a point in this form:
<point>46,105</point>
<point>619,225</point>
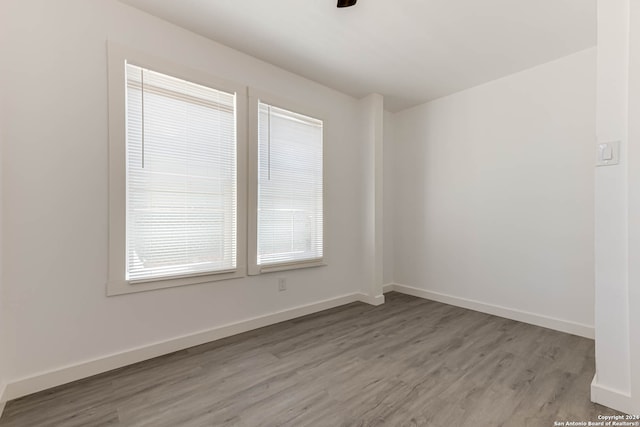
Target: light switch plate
<point>608,153</point>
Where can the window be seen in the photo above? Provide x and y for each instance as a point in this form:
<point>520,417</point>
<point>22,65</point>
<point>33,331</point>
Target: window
<point>178,173</point>
<point>287,201</point>
<point>181,177</point>
<point>176,176</point>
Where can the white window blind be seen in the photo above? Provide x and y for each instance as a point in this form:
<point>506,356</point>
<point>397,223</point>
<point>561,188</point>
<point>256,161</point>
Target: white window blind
<point>290,187</point>
<point>181,177</point>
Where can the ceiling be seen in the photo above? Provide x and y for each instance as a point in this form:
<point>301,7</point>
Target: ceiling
<point>410,51</point>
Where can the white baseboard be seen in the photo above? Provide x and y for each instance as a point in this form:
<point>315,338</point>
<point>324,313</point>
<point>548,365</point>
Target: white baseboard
<point>368,299</point>
<point>86,369</point>
<point>53,378</point>
<point>496,310</point>
<point>3,400</point>
<point>388,287</point>
<point>614,399</point>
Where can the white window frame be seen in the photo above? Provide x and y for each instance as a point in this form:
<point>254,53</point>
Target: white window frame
<point>117,55</point>
<point>256,96</point>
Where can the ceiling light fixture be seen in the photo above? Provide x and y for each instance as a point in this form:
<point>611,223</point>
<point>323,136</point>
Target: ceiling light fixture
<point>346,3</point>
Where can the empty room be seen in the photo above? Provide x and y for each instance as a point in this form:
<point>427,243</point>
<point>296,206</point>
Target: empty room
<point>302,213</point>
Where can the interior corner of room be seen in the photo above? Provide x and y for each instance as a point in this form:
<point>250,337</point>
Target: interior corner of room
<point>483,195</point>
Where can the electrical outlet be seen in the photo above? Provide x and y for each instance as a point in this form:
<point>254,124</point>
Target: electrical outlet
<point>282,284</point>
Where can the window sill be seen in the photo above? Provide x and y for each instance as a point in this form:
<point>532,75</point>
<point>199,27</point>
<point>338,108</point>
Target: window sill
<point>256,270</point>
<point>120,287</point>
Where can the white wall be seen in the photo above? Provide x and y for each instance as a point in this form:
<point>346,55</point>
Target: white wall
<point>388,207</point>
<point>634,205</point>
<point>4,318</point>
<point>372,155</point>
<point>4,351</point>
<point>55,194</point>
<point>611,203</point>
<point>617,201</point>
<point>494,195</point>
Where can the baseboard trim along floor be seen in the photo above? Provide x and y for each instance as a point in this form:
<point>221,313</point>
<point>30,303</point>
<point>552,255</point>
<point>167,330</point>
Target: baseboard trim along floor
<point>3,400</point>
<point>612,398</point>
<point>46,380</point>
<point>64,375</point>
<point>496,310</point>
<point>377,300</point>
<point>410,361</point>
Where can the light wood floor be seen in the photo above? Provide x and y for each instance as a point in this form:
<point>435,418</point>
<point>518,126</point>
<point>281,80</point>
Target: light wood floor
<point>409,362</point>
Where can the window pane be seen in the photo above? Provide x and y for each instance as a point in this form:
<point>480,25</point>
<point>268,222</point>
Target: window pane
<point>290,211</point>
<point>181,177</point>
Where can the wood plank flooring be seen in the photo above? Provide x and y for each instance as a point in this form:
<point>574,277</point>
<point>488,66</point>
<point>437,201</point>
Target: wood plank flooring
<point>409,362</point>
